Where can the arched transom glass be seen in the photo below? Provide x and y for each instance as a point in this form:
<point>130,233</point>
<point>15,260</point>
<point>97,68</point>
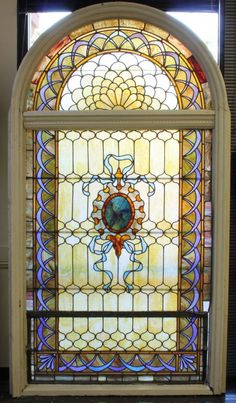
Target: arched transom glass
<point>119,221</point>
<point>171,64</point>
<point>116,81</point>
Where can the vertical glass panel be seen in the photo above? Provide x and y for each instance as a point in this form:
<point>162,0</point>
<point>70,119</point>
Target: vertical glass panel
<point>118,222</point>
<point>120,258</point>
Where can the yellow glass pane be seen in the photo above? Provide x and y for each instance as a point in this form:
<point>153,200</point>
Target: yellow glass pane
<point>65,163</point>
<point>172,164</point>
<point>142,157</point>
<point>171,202</point>
<point>65,201</point>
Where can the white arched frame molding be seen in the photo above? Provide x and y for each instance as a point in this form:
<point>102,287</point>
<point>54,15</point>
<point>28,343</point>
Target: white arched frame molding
<point>217,119</point>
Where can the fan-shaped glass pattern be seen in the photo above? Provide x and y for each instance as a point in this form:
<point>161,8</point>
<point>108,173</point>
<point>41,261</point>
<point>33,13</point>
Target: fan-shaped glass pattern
<point>160,59</point>
<point>118,81</point>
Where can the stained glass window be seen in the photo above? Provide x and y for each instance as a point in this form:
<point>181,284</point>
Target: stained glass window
<point>118,221</point>
<point>167,55</point>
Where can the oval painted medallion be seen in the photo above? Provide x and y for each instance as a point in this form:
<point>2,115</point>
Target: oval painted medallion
<point>118,213</point>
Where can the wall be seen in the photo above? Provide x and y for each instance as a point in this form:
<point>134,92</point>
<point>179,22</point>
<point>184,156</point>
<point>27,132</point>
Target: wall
<point>8,46</point>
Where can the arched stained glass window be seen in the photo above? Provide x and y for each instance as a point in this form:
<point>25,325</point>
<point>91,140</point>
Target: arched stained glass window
<point>119,64</point>
<point>119,216</point>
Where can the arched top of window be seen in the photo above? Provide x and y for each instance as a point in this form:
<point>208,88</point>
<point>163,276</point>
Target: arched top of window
<point>119,64</point>
<point>176,53</point>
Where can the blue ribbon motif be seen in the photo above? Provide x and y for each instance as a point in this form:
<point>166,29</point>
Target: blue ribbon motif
<point>104,249</point>
<point>130,248</point>
<point>112,178</point>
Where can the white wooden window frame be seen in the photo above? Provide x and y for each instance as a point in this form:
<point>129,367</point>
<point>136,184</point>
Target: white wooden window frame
<point>217,119</point>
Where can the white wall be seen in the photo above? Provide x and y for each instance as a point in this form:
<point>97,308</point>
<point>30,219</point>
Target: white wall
<point>8,63</point>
